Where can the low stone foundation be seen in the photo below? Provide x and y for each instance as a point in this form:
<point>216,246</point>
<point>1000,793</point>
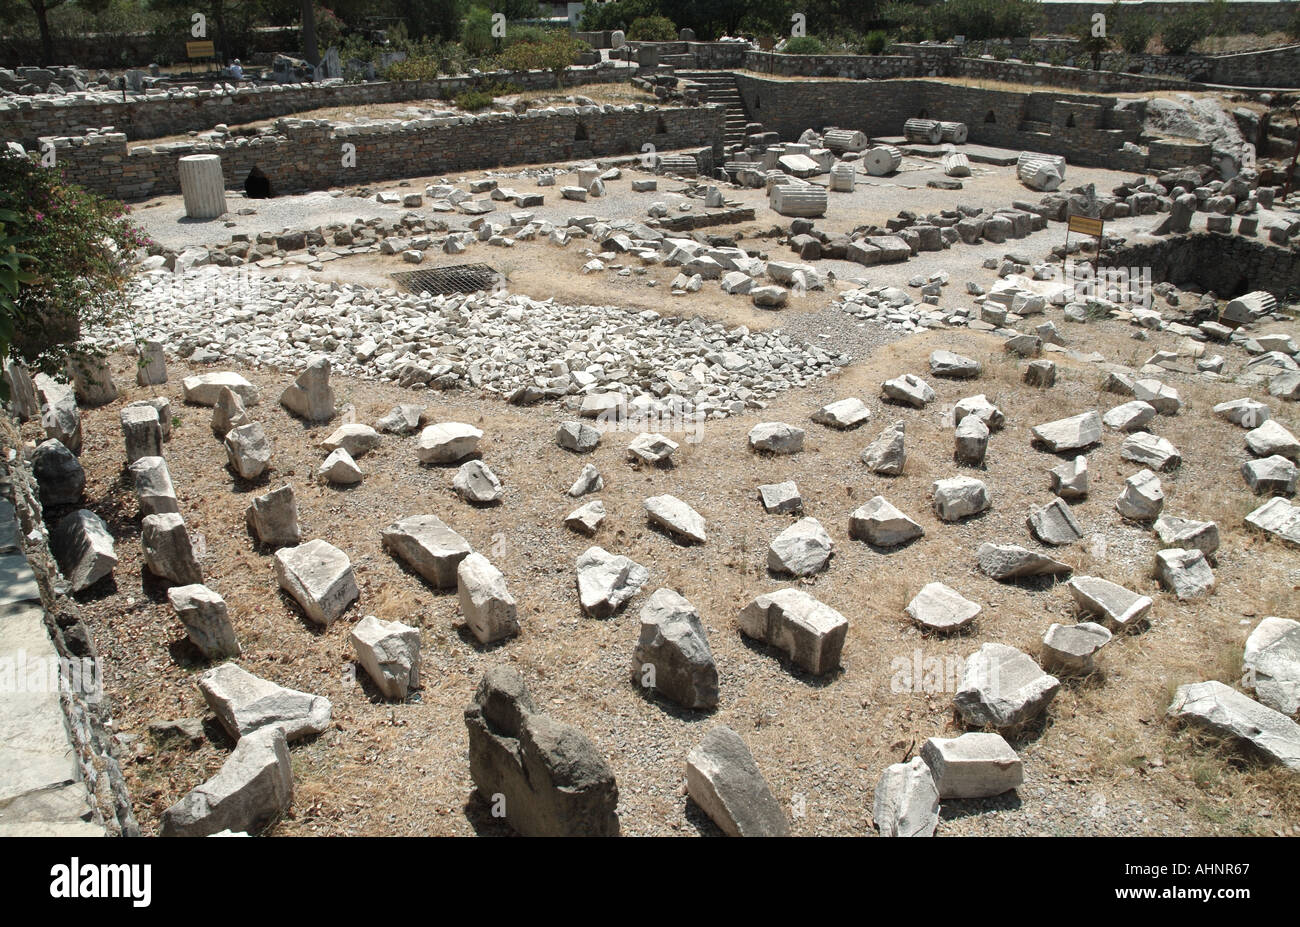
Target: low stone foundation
<point>1228,265</point>
<point>304,154</point>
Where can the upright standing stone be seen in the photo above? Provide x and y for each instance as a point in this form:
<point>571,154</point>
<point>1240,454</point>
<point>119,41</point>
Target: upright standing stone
<point>151,366</point>
<point>228,413</point>
<point>319,576</point>
<point>248,450</point>
<point>92,380</point>
<point>486,603</point>
<point>59,475</point>
<point>202,186</point>
<point>546,776</point>
<point>672,655</point>
<point>206,620</point>
<point>389,652</point>
<point>906,800</point>
<point>273,517</point>
<point>725,781</point>
<point>310,396</point>
<point>60,416</point>
<point>142,432</point>
<point>153,486</point>
<point>83,548</point>
<point>167,549</point>
<point>22,391</point>
<point>1272,664</point>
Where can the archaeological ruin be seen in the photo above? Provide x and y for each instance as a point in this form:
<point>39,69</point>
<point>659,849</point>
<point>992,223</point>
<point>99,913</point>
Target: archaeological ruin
<point>725,431</point>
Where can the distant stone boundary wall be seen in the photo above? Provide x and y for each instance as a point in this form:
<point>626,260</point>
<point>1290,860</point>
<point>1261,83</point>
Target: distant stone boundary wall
<point>146,116</point>
<point>1274,67</point>
<point>110,50</point>
<point>307,154</point>
<point>1120,73</point>
<point>1260,18</point>
<point>1089,130</point>
<point>1271,67</point>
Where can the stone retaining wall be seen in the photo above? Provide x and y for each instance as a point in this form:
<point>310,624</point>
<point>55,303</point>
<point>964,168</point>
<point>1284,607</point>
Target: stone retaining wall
<point>1227,264</point>
<point>307,154</point>
<point>60,776</point>
<point>1253,17</point>
<point>145,116</point>
<point>1089,130</point>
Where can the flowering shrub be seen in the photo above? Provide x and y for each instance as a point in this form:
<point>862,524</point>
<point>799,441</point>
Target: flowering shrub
<point>77,250</point>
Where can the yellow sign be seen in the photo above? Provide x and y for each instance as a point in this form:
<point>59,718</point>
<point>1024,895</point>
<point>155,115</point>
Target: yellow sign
<point>200,50</point>
<point>1085,226</point>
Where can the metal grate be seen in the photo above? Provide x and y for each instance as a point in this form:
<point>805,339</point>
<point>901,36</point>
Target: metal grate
<point>459,278</point>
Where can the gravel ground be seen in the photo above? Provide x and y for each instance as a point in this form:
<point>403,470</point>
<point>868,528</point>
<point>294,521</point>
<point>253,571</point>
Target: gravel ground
<point>1104,763</point>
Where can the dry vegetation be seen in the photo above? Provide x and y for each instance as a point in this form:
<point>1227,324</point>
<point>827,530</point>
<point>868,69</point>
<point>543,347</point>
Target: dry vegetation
<point>1105,762</point>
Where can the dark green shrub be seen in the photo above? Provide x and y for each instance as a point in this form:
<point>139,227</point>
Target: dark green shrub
<point>474,100</point>
<point>1184,29</point>
<point>78,249</point>
<point>875,42</point>
<point>1135,32</point>
<point>652,29</point>
<point>804,45</point>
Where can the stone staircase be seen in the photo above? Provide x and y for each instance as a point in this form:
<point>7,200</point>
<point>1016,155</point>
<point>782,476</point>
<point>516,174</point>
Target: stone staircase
<point>720,87</point>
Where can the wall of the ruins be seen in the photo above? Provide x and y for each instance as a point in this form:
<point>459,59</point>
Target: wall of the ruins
<point>1259,18</point>
<point>1229,265</point>
<point>1087,129</point>
<point>308,154</point>
<point>163,114</point>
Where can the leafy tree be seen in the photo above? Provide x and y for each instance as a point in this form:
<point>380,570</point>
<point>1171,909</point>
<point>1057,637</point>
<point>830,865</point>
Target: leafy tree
<point>80,247</point>
<point>12,277</point>
<point>309,49</point>
<point>41,10</point>
<point>619,14</point>
<point>652,29</point>
<point>230,22</point>
<point>1093,45</point>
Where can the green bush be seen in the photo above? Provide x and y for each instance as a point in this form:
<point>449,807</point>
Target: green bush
<point>80,247</point>
<point>804,45</point>
<point>620,14</point>
<point>525,56</point>
<point>1182,30</point>
<point>557,54</point>
<point>984,19</point>
<point>474,100</point>
<point>1293,27</point>
<point>875,42</point>
<point>412,69</point>
<point>1135,32</point>
<point>652,29</point>
<point>476,35</point>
